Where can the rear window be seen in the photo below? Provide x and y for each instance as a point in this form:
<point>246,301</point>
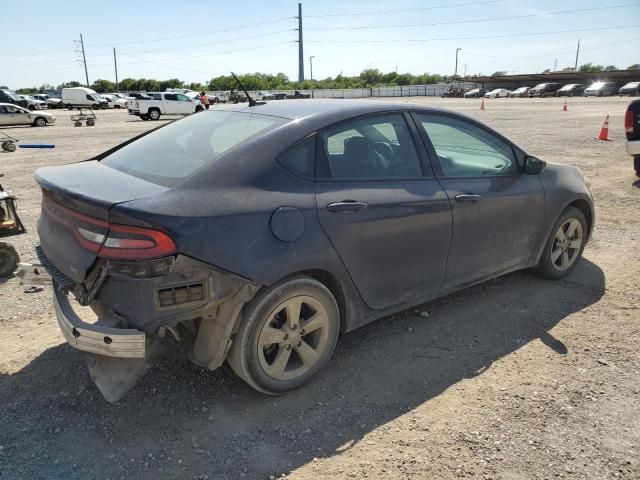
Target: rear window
<point>174,152</point>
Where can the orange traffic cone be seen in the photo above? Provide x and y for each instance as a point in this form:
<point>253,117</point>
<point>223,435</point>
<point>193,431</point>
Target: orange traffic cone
<point>565,109</point>
<point>482,104</point>
<point>604,131</point>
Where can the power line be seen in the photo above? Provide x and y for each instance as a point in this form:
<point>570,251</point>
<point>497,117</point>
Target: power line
<point>111,44</point>
<point>476,37</point>
<point>405,10</point>
<point>475,54</point>
<point>190,35</point>
<point>475,20</point>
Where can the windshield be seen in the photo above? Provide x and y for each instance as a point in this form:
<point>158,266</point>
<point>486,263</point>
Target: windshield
<point>174,152</point>
<point>632,85</point>
<point>596,85</point>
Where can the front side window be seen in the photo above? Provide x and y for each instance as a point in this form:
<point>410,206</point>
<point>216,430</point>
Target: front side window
<point>171,97</point>
<point>174,152</point>
<point>183,98</point>
<point>374,147</point>
<point>465,150</point>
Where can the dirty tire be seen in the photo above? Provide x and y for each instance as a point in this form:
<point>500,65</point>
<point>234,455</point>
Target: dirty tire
<point>91,123</point>
<point>548,266</point>
<point>252,351</point>
<point>40,122</point>
<point>9,146</point>
<point>9,259</point>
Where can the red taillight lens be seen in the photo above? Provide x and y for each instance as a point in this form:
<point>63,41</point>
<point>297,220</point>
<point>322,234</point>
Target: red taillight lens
<point>134,243</point>
<point>628,121</point>
<point>108,240</point>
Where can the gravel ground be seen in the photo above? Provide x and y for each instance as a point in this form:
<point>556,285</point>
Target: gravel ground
<point>517,378</point>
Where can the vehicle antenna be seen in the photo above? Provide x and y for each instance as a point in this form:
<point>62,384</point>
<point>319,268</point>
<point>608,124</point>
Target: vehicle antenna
<point>252,102</point>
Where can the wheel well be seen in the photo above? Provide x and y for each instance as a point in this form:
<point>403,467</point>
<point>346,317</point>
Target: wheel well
<point>584,207</point>
<point>334,286</point>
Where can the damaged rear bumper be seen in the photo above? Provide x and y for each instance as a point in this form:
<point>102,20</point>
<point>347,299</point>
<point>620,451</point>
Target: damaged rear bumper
<point>99,338</point>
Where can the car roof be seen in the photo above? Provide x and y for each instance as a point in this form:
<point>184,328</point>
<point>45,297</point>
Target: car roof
<point>323,110</point>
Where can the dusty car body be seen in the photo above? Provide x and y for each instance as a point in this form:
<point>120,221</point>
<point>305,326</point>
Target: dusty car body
<point>317,217</point>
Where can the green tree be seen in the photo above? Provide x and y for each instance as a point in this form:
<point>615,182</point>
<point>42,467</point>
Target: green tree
<point>69,85</point>
<point>611,68</point>
<point>103,86</point>
<point>590,67</point>
<point>635,66</point>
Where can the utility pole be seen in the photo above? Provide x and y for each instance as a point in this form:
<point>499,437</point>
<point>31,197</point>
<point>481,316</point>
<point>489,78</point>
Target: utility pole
<point>456,72</point>
<point>577,53</point>
<point>84,58</point>
<point>311,66</point>
<point>115,66</point>
<point>300,47</point>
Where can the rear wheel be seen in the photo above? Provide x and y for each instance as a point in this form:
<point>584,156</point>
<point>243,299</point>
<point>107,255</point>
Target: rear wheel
<point>564,246</point>
<point>9,259</point>
<point>287,334</point>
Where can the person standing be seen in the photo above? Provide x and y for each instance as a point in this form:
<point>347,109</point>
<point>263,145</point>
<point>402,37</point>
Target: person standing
<point>204,100</point>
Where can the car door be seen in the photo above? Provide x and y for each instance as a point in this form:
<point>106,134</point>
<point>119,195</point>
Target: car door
<point>497,210</point>
<point>382,209</point>
<point>185,105</point>
<point>16,116</point>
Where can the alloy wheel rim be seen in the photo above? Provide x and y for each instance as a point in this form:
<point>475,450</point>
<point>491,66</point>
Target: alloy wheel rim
<point>566,244</point>
<point>293,337</point>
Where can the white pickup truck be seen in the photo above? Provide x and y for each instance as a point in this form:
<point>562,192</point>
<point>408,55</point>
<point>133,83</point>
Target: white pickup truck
<point>165,103</point>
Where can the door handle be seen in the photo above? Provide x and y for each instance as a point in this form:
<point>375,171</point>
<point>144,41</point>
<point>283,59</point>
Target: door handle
<point>468,197</point>
<point>346,206</point>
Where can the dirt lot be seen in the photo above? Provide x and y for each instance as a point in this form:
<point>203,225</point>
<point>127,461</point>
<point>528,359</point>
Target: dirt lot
<point>519,378</point>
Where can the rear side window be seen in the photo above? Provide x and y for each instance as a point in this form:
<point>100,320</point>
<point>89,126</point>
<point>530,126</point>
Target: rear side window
<point>170,96</point>
<point>172,153</point>
<point>301,159</point>
<point>375,147</point>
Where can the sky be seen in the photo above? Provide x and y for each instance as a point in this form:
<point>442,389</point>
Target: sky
<point>200,39</point>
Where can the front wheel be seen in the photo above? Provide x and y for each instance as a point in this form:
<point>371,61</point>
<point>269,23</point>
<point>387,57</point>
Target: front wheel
<point>9,259</point>
<point>286,336</point>
<point>40,122</point>
<point>564,246</point>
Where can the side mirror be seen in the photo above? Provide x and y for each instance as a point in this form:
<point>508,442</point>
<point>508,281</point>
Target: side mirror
<point>533,165</point>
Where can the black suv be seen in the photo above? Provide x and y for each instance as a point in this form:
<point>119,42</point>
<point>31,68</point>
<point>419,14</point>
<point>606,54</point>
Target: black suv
<point>548,89</point>
<point>9,96</point>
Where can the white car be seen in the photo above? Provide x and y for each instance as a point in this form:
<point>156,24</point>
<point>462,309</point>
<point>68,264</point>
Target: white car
<point>497,93</point>
<point>33,103</point>
<point>50,101</point>
<point>114,102</point>
<point>11,114</point>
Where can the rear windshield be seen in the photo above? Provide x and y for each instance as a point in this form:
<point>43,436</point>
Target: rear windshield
<point>174,152</point>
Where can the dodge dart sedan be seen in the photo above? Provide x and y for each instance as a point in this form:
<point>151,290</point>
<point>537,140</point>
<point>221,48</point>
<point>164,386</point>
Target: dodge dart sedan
<point>257,234</point>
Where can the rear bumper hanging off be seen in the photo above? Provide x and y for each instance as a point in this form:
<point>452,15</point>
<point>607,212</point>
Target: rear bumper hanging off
<point>97,338</point>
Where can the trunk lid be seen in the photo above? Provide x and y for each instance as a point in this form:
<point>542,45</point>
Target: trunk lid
<point>76,200</point>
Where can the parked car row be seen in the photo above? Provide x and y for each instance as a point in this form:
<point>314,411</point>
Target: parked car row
<point>554,89</point>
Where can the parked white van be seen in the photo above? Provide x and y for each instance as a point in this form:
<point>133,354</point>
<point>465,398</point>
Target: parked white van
<point>82,97</point>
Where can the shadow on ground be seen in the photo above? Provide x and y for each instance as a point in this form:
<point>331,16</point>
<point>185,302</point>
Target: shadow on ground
<point>182,422</point>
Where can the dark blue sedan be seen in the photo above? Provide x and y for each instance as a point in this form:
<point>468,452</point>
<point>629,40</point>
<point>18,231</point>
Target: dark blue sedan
<point>257,234</point>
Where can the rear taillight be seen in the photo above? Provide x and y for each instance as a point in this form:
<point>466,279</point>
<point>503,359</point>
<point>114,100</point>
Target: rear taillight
<point>628,121</point>
<point>109,240</point>
<point>135,243</point>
